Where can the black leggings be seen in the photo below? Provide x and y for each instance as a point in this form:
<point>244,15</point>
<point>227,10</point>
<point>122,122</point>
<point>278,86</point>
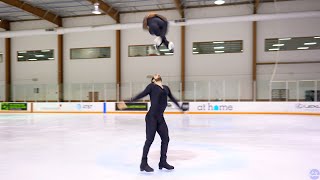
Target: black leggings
<point>156,124</point>
<point>158,27</point>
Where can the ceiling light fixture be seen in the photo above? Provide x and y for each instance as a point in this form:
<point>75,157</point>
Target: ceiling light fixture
<point>284,39</point>
<point>310,43</point>
<point>96,9</point>
<point>219,2</point>
<point>274,49</point>
<point>164,50</point>
<point>278,45</point>
<point>302,48</point>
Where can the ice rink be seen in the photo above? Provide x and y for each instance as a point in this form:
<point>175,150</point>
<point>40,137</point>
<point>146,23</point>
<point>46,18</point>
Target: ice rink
<point>109,146</point>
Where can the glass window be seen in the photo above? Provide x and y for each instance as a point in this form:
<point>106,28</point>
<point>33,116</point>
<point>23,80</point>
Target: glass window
<point>1,57</point>
<point>292,43</point>
<point>148,50</point>
<point>36,55</point>
<point>218,47</point>
<point>90,53</point>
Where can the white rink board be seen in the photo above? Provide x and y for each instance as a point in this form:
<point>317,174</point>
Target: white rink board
<point>69,107</point>
<point>194,107</point>
<point>267,107</point>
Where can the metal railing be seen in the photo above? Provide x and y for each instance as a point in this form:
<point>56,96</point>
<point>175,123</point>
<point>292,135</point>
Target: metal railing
<point>206,90</point>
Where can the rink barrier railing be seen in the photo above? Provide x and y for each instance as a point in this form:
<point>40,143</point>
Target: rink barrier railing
<point>233,88</point>
<point>294,108</point>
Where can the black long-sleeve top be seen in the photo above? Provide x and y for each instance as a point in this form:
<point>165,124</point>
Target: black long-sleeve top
<point>158,98</point>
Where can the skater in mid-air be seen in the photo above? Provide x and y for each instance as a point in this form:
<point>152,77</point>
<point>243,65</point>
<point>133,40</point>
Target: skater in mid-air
<point>158,25</point>
<point>155,121</point>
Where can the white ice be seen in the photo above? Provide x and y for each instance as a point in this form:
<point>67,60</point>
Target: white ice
<point>105,147</point>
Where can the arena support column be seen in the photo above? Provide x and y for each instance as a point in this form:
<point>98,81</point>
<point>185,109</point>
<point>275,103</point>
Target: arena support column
<point>118,65</point>
<point>181,9</point>
<point>254,52</point>
<point>4,24</point>
<point>60,68</point>
<point>118,58</point>
<point>183,60</point>
<point>8,70</point>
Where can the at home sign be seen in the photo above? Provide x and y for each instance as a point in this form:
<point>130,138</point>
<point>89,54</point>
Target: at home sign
<point>214,107</point>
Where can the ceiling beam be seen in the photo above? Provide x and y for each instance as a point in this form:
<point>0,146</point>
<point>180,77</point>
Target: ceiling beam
<point>180,7</point>
<point>41,13</point>
<point>108,9</point>
<point>4,24</point>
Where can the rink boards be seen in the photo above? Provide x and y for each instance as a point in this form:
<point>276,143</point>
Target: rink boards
<point>312,108</point>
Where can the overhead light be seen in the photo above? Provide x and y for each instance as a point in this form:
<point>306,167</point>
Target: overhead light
<point>301,48</point>
<point>96,9</point>
<point>285,39</point>
<point>39,55</point>
<point>45,50</point>
<point>195,52</point>
<point>51,58</point>
<point>219,47</point>
<point>310,43</point>
<point>194,48</point>
<point>164,50</point>
<point>219,51</point>
<point>32,59</point>
<point>218,42</point>
<point>219,2</point>
<point>169,53</point>
<point>278,45</point>
<point>317,37</point>
<point>22,52</point>
<point>20,56</point>
<point>274,49</point>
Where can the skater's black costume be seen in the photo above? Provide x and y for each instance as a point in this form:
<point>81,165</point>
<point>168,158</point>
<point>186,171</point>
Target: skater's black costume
<point>157,25</point>
<point>155,123</point>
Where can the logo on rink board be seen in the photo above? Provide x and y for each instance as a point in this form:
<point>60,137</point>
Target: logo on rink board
<point>84,106</point>
<point>14,106</point>
<point>314,174</point>
<point>215,107</point>
<point>134,107</point>
<point>308,106</point>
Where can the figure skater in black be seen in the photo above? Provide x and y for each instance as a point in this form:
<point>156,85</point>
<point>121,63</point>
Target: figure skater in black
<point>158,25</point>
<point>155,121</point>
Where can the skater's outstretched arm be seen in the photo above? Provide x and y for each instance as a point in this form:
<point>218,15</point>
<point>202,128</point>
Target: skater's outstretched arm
<point>122,105</point>
<point>144,93</point>
<point>173,99</point>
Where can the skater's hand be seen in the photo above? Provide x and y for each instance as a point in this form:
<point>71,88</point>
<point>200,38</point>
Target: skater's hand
<point>121,105</point>
<point>184,107</point>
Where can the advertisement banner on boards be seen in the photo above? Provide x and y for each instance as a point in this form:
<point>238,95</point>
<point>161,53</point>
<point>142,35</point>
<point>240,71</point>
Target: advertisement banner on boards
<point>306,106</point>
<point>133,107</point>
<point>69,107</point>
<point>8,106</point>
<point>267,107</point>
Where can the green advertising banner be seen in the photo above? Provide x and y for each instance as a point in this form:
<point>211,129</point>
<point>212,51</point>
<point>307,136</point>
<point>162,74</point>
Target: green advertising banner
<point>134,107</point>
<point>14,106</point>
